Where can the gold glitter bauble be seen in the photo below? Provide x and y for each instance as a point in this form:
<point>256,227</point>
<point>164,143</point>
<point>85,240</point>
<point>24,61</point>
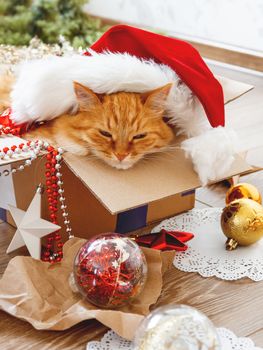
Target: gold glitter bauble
<point>242,223</point>
<point>243,190</point>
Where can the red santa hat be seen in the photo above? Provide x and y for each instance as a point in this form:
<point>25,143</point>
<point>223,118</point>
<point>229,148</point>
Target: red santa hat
<point>182,57</point>
<point>131,59</point>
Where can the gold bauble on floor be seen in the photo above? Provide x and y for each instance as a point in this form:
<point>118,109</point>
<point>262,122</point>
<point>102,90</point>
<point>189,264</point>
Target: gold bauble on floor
<point>242,223</point>
<point>243,190</point>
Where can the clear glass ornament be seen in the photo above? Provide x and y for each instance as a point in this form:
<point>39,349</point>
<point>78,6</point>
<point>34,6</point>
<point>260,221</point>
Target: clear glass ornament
<point>110,270</point>
<point>176,327</point>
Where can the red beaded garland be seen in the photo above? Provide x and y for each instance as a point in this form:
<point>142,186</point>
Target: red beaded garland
<point>54,243</point>
<point>52,251</point>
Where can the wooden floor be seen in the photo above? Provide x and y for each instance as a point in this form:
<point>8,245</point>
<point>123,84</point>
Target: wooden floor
<point>236,305</point>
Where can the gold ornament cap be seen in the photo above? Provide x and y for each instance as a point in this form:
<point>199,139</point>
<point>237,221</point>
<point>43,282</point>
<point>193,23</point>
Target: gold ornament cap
<point>231,244</point>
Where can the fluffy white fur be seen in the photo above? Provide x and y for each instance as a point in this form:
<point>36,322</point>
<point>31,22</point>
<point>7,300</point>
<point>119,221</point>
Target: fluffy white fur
<point>44,90</point>
<point>212,153</point>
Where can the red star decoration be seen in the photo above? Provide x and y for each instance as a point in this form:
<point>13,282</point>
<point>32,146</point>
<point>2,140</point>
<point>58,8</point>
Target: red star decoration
<point>165,240</point>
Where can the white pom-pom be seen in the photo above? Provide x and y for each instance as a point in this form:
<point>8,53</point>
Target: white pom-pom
<point>212,153</point>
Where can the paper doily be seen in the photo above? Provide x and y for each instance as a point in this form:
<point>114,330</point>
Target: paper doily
<point>207,254</point>
<point>228,340</point>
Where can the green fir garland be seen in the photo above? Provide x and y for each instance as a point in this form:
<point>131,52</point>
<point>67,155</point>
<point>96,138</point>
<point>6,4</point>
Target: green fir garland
<point>21,20</point>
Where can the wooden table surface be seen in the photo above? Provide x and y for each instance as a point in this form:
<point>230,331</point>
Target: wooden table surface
<point>237,305</point>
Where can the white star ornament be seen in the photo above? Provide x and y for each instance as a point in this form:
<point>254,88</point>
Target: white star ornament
<point>30,227</point>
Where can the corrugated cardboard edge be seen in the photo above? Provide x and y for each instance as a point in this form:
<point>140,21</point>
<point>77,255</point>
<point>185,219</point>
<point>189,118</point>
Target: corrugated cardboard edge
<point>113,212</point>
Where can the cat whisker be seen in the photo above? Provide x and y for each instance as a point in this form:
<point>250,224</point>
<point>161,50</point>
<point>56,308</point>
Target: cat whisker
<point>152,156</point>
<point>171,148</point>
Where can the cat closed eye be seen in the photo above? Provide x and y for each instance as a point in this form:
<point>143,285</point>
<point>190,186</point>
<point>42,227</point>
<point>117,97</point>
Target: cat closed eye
<point>105,133</point>
<point>139,136</point>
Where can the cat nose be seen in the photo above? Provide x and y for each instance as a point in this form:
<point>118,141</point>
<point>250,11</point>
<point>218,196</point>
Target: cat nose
<point>121,156</point>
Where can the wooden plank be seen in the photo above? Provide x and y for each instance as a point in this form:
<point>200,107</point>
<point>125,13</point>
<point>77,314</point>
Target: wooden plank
<point>236,305</point>
<point>229,56</point>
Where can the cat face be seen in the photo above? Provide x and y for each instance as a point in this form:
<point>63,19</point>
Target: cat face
<point>121,128</point>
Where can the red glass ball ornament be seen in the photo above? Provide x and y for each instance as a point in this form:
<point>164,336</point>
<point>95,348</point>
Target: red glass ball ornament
<point>110,270</point>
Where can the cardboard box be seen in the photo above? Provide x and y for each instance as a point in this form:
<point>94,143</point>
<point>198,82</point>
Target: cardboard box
<point>100,198</point>
<point>97,207</point>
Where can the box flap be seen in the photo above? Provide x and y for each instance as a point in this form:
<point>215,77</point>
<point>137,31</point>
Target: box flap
<point>120,190</point>
<point>232,88</point>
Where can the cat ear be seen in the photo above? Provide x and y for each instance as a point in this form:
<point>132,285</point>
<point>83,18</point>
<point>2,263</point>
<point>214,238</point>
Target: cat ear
<point>87,99</point>
<point>156,99</point>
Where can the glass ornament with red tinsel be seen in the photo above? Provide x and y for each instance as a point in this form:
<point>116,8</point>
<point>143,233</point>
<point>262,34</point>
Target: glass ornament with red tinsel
<point>110,270</point>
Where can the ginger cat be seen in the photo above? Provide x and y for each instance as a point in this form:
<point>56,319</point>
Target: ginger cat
<point>7,81</point>
<point>120,128</point>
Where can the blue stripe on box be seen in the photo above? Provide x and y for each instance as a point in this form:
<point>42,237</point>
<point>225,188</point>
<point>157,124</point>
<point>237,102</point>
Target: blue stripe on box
<point>2,214</point>
<point>132,219</point>
<point>187,193</point>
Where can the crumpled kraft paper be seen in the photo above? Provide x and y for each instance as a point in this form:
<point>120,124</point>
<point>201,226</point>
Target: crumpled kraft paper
<point>39,293</point>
